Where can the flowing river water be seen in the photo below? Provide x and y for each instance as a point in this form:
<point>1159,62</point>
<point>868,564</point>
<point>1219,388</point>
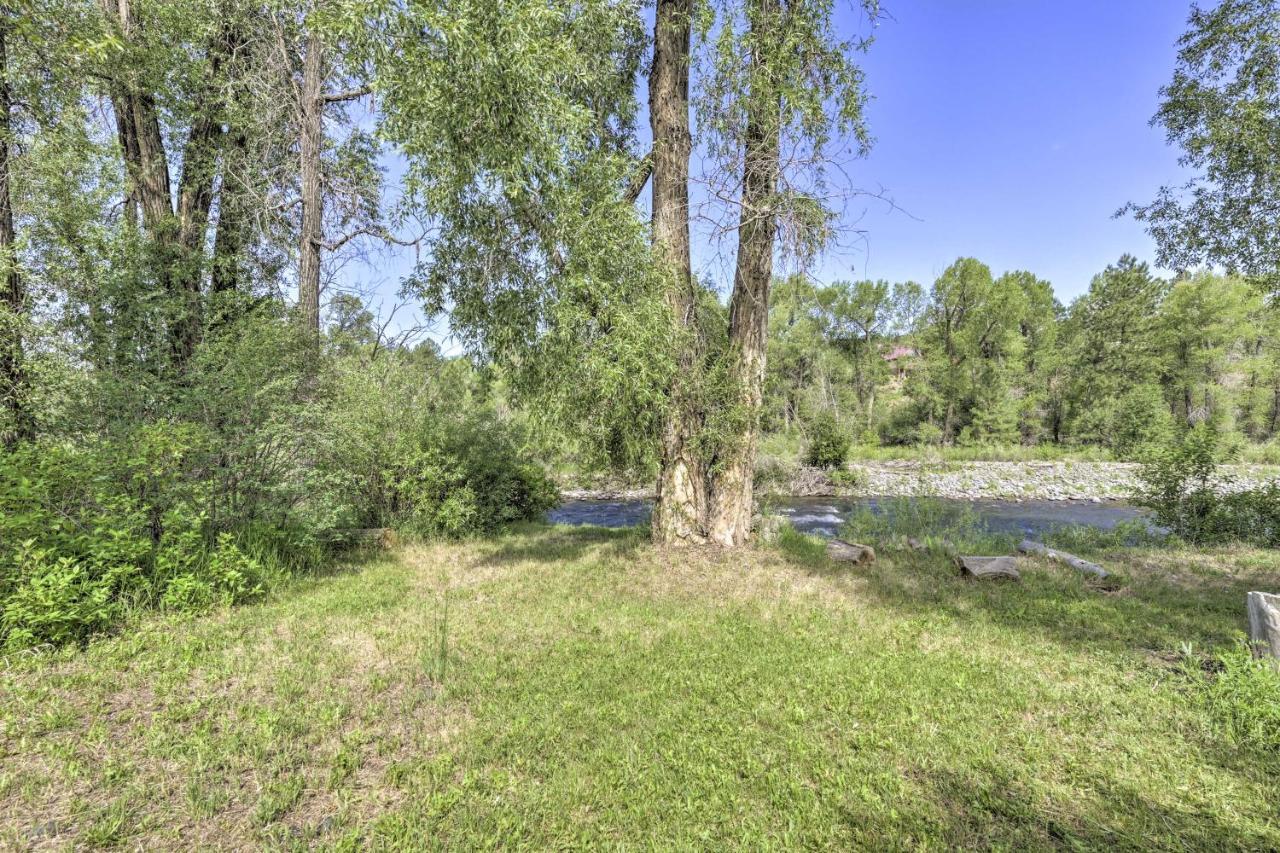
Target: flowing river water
<point>824,515</point>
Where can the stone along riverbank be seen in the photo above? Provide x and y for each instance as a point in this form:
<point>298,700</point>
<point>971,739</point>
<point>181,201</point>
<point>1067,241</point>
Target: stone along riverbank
<point>1040,481</point>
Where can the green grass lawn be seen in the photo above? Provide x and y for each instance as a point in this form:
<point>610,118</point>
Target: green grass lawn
<point>560,688</point>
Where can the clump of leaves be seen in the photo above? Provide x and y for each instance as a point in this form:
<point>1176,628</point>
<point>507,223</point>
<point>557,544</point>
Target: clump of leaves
<point>828,442</point>
<point>1181,483</point>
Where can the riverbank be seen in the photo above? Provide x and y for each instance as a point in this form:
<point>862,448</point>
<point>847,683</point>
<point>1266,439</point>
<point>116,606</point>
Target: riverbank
<point>1045,481</point>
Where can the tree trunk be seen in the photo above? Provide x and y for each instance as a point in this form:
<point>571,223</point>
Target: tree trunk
<point>732,494</point>
<point>18,425</point>
<point>680,510</point>
<point>312,235</point>
<point>177,237</point>
<point>232,232</point>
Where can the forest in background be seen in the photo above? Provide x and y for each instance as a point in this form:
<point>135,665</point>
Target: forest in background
<point>979,359</point>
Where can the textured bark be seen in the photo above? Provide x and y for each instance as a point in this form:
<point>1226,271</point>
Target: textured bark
<point>732,494</point>
<point>311,238</point>
<point>138,126</point>
<point>233,229</point>
<point>178,235</point>
<point>18,424</point>
<point>680,509</point>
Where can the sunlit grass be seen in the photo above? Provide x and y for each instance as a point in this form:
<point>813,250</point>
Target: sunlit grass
<point>563,688</point>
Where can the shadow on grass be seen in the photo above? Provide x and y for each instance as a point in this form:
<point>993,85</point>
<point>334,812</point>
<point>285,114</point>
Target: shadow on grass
<point>1155,600</point>
<point>546,543</point>
<point>982,808</point>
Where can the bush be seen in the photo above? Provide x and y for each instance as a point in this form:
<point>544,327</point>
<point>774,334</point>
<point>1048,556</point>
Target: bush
<point>1139,421</point>
<point>406,445</point>
<point>828,443</point>
<point>1181,485</point>
<point>58,599</point>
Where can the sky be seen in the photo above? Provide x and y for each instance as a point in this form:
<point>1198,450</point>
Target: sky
<point>1006,130</point>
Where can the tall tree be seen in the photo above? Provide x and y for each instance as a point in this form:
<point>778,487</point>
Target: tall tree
<point>784,78</point>
<point>680,508</point>
<point>1222,108</point>
<point>176,227</point>
<point>18,424</point>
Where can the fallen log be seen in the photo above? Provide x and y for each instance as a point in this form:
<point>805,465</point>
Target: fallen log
<point>1026,546</point>
<point>1264,624</point>
<point>850,552</point>
<point>989,567</point>
<point>367,537</point>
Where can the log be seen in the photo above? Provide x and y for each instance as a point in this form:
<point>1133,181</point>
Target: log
<point>989,567</point>
<point>1264,624</point>
<point>850,552</point>
<point>1026,546</point>
<point>370,537</point>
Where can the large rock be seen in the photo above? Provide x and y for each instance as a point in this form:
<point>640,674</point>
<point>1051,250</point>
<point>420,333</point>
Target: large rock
<point>850,552</point>
<point>989,567</point>
<point>1264,625</point>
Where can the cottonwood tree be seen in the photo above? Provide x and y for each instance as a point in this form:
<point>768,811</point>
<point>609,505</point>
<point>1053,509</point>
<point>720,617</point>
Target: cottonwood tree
<point>517,121</point>
<point>782,100</point>
<point>682,500</point>
<point>17,424</point>
<point>348,175</point>
<point>1222,108</point>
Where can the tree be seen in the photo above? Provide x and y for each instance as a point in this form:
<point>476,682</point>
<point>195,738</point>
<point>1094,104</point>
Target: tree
<point>681,499</point>
<point>1222,108</point>
<point>1115,346</point>
<point>1202,321</point>
<point>856,317</point>
<point>783,81</point>
<point>18,424</point>
<point>317,95</point>
<point>971,340</point>
<point>517,121</point>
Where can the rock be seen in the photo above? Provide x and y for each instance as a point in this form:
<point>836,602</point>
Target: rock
<point>989,567</point>
<point>1264,625</point>
<point>849,552</point>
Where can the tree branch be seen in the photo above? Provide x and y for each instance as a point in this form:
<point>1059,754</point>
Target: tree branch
<point>346,95</point>
<point>640,178</point>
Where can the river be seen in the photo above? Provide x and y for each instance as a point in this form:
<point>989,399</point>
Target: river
<point>824,516</point>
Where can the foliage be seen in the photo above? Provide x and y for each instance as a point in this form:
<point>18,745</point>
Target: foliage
<point>1180,482</point>
<point>1221,110</point>
<point>828,442</point>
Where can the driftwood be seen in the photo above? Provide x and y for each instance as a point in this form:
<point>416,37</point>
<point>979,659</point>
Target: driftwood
<point>1026,546</point>
<point>368,537</point>
<point>989,567</point>
<point>849,552</point>
<point>1264,624</point>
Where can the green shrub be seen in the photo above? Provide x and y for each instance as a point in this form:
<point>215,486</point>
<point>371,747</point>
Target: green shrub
<point>828,442</point>
<point>1180,483</point>
<point>1139,421</point>
<point>58,599</point>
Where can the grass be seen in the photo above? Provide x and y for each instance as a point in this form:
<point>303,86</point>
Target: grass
<point>560,688</point>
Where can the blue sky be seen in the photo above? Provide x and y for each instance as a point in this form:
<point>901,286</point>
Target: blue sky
<point>1010,130</point>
